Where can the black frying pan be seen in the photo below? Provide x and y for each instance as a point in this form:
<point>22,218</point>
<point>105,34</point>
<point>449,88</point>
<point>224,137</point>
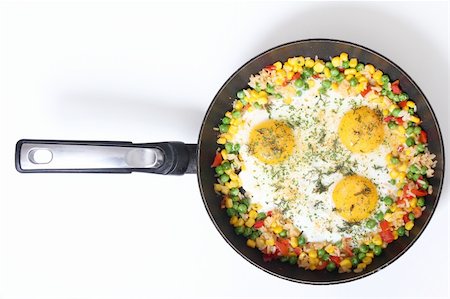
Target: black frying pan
<point>179,158</point>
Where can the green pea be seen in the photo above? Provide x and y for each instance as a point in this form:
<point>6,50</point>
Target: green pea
<point>293,259</point>
<point>377,250</point>
<point>235,198</point>
<point>396,112</point>
<point>226,120</point>
<point>420,148</point>
<point>359,67</point>
<point>241,94</point>
<point>396,98</point>
<point>329,65</point>
<point>395,160</point>
<point>278,96</point>
<point>301,241</point>
<point>371,245</point>
<point>410,141</point>
<point>361,255</point>
<point>325,256</point>
<point>246,201</point>
<point>415,177</point>
<point>219,170</point>
<point>239,230</point>
<point>322,90</point>
<point>223,128</point>
<point>388,200</point>
<point>242,208</point>
<point>321,252</point>
<point>236,147</point>
<point>409,175</point>
<point>257,87</point>
<point>420,201</point>
<point>283,233</point>
<point>371,223</point>
<point>307,72</point>
<point>401,231</point>
<point>384,92</point>
<point>234,191</point>
<point>392,181</point>
<point>414,169</point>
<point>392,125</point>
<point>353,81</point>
<point>231,212</point>
<point>340,77</point>
<point>410,130</point>
<point>417,130</point>
<point>224,178</point>
<point>411,216</point>
<point>379,216</point>
<point>235,205</point>
<point>331,267</point>
<point>354,261</point>
<point>247,232</point>
<point>299,83</point>
<point>346,64</point>
<point>254,235</point>
<point>423,170</point>
<point>385,78</point>
<point>334,72</point>
<point>411,111</point>
<point>270,89</point>
<point>229,147</point>
<point>355,251</point>
<point>299,92</point>
<point>261,216</point>
<point>226,165</point>
<point>404,96</point>
<point>424,184</point>
<point>326,84</point>
<point>236,114</point>
<point>364,248</point>
<point>284,259</point>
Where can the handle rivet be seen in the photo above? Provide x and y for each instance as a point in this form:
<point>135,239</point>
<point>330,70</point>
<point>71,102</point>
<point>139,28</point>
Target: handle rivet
<point>40,156</point>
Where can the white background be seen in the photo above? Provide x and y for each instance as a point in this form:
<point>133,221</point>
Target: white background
<point>146,72</point>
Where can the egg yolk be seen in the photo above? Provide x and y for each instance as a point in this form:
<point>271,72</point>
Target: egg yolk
<point>355,197</point>
<point>271,141</point>
<point>361,130</point>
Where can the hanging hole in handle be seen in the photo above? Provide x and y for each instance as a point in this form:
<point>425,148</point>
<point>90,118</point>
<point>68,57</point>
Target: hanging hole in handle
<point>40,156</point>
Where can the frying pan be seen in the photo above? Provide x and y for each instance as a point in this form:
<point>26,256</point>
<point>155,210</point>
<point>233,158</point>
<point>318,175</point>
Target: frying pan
<point>178,158</point>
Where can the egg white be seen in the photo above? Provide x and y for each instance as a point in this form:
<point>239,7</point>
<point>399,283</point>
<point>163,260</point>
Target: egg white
<point>302,185</point>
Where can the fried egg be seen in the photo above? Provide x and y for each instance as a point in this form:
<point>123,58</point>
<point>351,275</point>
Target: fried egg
<point>319,160</point>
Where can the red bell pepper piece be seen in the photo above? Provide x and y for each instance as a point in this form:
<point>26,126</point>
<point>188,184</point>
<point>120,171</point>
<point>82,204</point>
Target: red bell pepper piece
<point>385,225</point>
<point>282,247</point>
<point>402,104</point>
<point>321,265</point>
<point>258,224</point>
<point>217,160</point>
<point>423,138</point>
<point>269,213</point>
<point>387,236</point>
<point>316,76</point>
<point>400,148</point>
<point>296,76</point>
<point>366,91</point>
<point>405,218</point>
<point>388,118</point>
<point>417,212</point>
<point>297,250</point>
<point>395,88</point>
<point>270,67</point>
<point>267,257</point>
<point>335,259</point>
<point>399,120</point>
<point>348,250</point>
<point>419,193</point>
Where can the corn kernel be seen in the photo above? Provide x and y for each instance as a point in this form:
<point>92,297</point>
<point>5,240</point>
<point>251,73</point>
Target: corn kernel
<point>232,129</point>
<point>370,68</point>
<point>330,249</point>
<point>370,254</point>
<point>353,62</point>
<point>270,242</point>
<point>362,79</point>
<point>294,242</point>
<point>313,261</point>
<point>327,72</point>
<point>313,253</point>
<point>252,214</point>
<point>232,184</point>
<point>393,174</point>
<point>401,129</point>
<point>260,243</point>
<point>401,175</point>
<point>335,86</point>
<point>250,222</point>
<point>301,61</point>
<point>278,65</point>
<point>377,75</point>
<point>225,190</point>
<point>319,67</point>
<point>350,72</point>
<point>407,152</point>
<point>221,140</point>
<point>309,62</point>
<point>345,263</point>
<point>409,225</point>
<point>348,77</point>
<point>287,100</point>
<point>395,234</point>
<point>251,243</point>
<point>403,167</point>
<point>233,220</point>
<point>311,83</point>
<point>393,207</point>
<point>240,222</point>
<point>224,154</point>
<point>217,187</point>
<point>287,67</point>
<point>228,202</point>
<point>414,119</point>
<point>385,112</point>
<point>336,61</point>
<point>343,56</point>
<point>367,260</point>
<point>289,75</point>
<point>392,107</point>
<point>362,86</point>
<point>413,202</point>
<point>277,229</point>
<point>411,104</point>
<point>377,240</point>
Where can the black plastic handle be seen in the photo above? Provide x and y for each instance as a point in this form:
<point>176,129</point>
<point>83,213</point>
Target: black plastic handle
<point>67,156</point>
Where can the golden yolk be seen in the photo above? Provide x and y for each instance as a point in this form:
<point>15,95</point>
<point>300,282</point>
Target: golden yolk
<point>355,197</point>
<point>271,141</point>
<point>361,130</point>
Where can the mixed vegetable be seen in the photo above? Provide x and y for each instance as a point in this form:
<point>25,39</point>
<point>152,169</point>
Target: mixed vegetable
<point>410,163</point>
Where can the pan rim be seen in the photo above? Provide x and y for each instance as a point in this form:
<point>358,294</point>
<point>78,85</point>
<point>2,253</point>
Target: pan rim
<point>438,189</point>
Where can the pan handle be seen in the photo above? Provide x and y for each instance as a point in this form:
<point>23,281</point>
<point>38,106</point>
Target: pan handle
<point>64,156</point>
